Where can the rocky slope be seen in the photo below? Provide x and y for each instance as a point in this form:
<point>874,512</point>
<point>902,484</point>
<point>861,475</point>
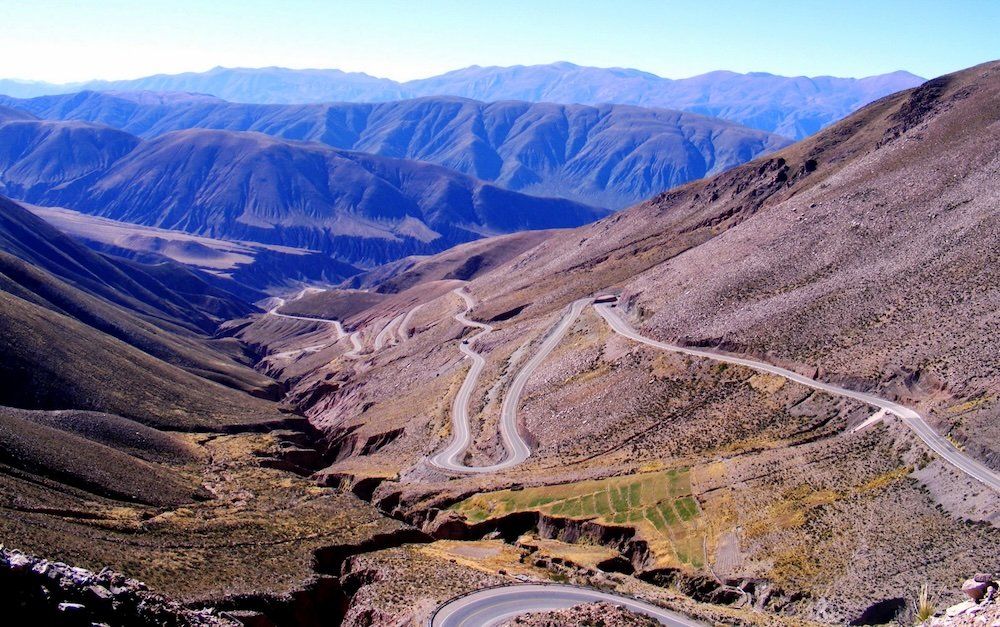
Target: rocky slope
<point>981,606</point>
<point>606,155</point>
<point>36,590</point>
<point>860,256</point>
<point>865,252</point>
<point>584,615</point>
<point>130,437</point>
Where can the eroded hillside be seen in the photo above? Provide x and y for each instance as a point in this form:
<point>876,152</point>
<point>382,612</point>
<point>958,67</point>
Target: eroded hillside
<point>861,258</point>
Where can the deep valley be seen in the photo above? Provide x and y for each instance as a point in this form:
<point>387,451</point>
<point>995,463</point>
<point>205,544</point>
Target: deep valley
<point>440,361</point>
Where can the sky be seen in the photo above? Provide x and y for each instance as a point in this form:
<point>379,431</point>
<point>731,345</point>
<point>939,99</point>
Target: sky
<point>77,40</point>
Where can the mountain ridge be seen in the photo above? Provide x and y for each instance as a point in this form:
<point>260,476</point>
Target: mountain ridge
<point>608,155</point>
<point>776,107</point>
<point>362,209</point>
<point>863,257</point>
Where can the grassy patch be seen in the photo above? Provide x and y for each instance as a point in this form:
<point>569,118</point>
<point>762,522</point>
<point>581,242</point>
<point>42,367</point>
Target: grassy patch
<point>976,403</point>
<point>885,479</point>
<point>658,504</point>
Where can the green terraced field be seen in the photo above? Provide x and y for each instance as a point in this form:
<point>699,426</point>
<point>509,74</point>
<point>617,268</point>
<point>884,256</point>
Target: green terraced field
<point>659,504</point>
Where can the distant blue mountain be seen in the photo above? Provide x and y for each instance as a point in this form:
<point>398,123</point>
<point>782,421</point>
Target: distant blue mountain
<point>791,106</point>
<point>361,209</point>
<point>608,155</point>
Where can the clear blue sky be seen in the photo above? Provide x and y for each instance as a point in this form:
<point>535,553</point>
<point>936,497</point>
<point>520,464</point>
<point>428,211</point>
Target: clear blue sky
<point>73,40</point>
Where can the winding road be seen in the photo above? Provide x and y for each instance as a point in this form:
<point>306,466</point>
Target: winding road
<point>448,459</point>
<point>910,418</point>
<point>386,335</point>
<point>517,449</point>
<point>357,347</point>
<point>404,326</point>
<point>280,302</point>
<point>388,332</point>
<point>494,606</point>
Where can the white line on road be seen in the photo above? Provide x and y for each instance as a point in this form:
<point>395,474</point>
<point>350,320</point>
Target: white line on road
<point>492,606</point>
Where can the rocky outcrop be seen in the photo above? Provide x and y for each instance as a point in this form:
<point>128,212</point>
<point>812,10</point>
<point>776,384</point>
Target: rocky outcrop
<point>39,592</point>
<point>589,614</point>
<point>981,609</point>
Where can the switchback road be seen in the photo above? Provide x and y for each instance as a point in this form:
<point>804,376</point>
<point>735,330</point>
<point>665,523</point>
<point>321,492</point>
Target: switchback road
<point>517,449</point>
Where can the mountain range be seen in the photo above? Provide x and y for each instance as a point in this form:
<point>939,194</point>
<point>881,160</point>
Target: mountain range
<point>609,155</point>
<point>862,258</point>
<point>747,427</point>
<point>791,106</point>
<point>359,208</point>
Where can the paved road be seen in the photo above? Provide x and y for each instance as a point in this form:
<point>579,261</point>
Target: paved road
<point>910,418</point>
<point>493,606</point>
<point>280,302</point>
<point>385,336</point>
<point>517,449</point>
<point>388,334</point>
<point>461,437</point>
<point>356,346</point>
<point>404,326</point>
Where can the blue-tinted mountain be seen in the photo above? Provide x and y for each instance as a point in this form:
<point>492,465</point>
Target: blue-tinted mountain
<point>355,207</point>
<point>607,155</point>
<point>791,106</point>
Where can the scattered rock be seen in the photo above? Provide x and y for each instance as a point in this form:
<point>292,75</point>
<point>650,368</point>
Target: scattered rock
<point>960,608</point>
<point>605,614</point>
<point>37,591</point>
<point>981,610</point>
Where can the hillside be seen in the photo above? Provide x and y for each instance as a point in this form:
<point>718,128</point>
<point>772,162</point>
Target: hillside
<point>168,293</point>
<point>606,155</point>
<point>243,268</point>
<point>39,156</point>
<point>131,436</point>
<point>361,209</point>
<point>861,251</point>
<point>791,106</point>
<point>862,257</point>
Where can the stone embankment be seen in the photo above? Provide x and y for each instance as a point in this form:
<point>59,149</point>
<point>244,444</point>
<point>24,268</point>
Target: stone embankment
<point>35,591</point>
<point>981,609</point>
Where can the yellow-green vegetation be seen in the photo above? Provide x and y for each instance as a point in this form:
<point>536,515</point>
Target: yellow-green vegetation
<point>660,505</point>
<point>978,402</point>
<point>925,607</point>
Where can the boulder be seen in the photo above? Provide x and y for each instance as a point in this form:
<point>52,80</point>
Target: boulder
<point>977,587</point>
<point>961,608</point>
<point>975,590</point>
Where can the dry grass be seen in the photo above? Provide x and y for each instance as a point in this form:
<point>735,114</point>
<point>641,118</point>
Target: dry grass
<point>924,607</point>
<point>257,535</point>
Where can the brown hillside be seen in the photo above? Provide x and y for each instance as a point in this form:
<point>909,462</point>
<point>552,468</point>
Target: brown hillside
<point>864,255</point>
<point>868,251</point>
